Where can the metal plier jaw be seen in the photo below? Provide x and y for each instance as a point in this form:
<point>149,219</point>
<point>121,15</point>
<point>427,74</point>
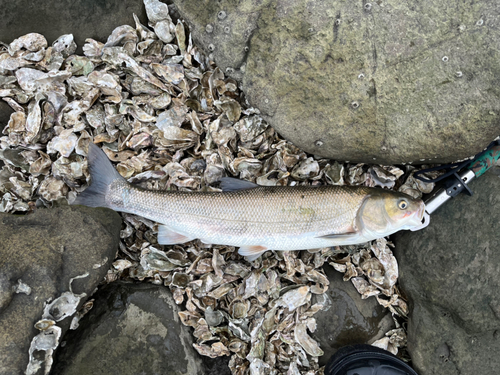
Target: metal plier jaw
<point>452,188</point>
<point>455,182</point>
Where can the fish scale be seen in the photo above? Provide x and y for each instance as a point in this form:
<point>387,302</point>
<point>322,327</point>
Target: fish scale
<point>260,216</point>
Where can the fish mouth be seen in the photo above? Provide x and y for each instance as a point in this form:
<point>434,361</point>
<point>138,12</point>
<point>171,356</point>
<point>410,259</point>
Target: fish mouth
<point>421,212</point>
<point>423,218</point>
<point>417,215</point>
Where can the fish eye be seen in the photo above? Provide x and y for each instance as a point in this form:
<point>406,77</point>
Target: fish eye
<point>403,204</point>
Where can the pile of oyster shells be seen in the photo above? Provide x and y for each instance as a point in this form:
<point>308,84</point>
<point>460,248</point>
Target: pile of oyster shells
<point>168,118</point>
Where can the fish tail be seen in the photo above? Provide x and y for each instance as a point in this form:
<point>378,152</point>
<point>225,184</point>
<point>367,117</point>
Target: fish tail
<point>103,174</point>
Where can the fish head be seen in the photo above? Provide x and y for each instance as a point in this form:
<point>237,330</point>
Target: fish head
<point>385,212</point>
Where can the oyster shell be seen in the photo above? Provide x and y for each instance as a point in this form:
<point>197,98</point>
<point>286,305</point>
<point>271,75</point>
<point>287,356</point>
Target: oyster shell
<point>156,260</point>
<point>32,42</point>
<point>51,189</point>
<point>46,341</point>
<point>307,343</point>
<point>295,298</point>
<point>306,169</point>
<point>64,143</point>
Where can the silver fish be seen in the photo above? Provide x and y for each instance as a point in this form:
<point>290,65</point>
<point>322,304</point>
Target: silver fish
<point>256,218</point>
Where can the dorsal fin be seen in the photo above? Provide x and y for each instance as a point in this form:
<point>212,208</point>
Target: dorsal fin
<point>235,184</point>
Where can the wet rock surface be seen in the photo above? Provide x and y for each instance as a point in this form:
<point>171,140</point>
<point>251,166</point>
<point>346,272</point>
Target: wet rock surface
<point>391,82</point>
<point>349,319</point>
<point>5,112</point>
<point>133,329</point>
<point>84,19</point>
<point>450,272</point>
<point>43,251</point>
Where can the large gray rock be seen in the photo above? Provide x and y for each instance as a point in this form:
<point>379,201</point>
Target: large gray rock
<point>45,250</point>
<point>349,320</point>
<point>450,272</point>
<point>132,329</point>
<point>392,81</point>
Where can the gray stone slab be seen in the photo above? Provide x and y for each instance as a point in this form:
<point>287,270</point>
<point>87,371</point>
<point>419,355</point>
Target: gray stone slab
<point>349,320</point>
<point>450,272</point>
<point>132,329</point>
<point>45,250</point>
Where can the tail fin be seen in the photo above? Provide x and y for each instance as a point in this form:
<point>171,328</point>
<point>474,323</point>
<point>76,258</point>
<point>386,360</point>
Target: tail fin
<point>103,174</point>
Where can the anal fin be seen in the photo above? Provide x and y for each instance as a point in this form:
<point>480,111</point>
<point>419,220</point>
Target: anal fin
<point>252,252</point>
<point>167,236</point>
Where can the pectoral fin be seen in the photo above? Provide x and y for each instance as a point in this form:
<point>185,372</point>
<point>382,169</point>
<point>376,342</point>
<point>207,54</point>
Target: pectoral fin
<point>252,252</point>
<point>167,236</point>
